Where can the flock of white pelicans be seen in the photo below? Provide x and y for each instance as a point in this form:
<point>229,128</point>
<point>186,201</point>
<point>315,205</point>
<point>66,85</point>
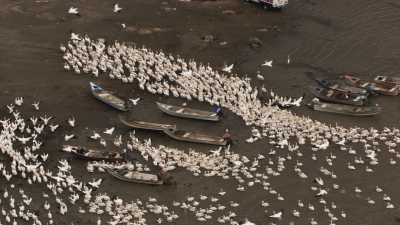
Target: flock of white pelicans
<point>293,141</point>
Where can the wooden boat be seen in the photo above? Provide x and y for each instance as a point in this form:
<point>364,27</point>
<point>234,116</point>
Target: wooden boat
<point>136,177</point>
<point>386,79</point>
<point>107,97</point>
<point>344,109</point>
<point>145,125</point>
<point>380,88</point>
<point>187,136</point>
<point>272,4</point>
<point>331,95</point>
<point>92,154</point>
<point>341,87</point>
<point>185,112</point>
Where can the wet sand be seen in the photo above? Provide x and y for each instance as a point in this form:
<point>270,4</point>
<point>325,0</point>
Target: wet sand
<point>324,38</point>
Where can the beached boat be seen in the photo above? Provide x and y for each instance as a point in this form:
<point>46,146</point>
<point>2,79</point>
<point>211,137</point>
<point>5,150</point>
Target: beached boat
<point>145,125</point>
<point>331,95</point>
<point>185,112</point>
<point>387,79</point>
<point>136,177</point>
<point>92,154</point>
<point>377,87</point>
<point>350,110</point>
<point>187,136</point>
<point>107,97</point>
<point>341,87</point>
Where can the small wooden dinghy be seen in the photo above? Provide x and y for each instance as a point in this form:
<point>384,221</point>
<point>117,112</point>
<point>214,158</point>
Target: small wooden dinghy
<point>378,87</point>
<point>187,136</point>
<point>387,79</point>
<point>341,87</point>
<point>92,154</point>
<point>185,112</point>
<point>136,177</point>
<point>344,109</point>
<point>331,95</point>
<point>145,125</point>
<point>107,97</point>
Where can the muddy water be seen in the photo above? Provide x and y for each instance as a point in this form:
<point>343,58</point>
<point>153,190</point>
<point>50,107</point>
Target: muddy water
<point>323,38</point>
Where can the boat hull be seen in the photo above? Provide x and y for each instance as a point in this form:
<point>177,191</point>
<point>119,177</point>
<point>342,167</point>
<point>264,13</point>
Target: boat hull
<point>121,176</point>
<point>186,136</point>
<point>387,80</point>
<point>340,87</point>
<point>184,112</point>
<point>145,125</point>
<point>345,109</point>
<point>273,4</point>
<point>338,97</point>
<point>377,87</point>
<point>108,98</point>
<point>95,155</point>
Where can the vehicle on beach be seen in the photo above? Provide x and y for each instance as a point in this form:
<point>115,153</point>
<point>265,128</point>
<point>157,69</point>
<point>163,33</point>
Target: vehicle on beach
<point>388,80</point>
<point>274,4</point>
<point>145,125</point>
<point>92,154</point>
<point>350,110</point>
<point>341,87</point>
<point>377,87</point>
<point>140,177</point>
<point>108,97</point>
<point>330,95</point>
<point>185,112</point>
<point>195,137</point>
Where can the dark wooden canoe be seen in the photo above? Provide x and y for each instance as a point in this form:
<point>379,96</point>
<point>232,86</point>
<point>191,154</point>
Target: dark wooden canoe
<point>136,177</point>
<point>145,125</point>
<point>344,109</point>
<point>341,87</point>
<point>185,112</point>
<point>92,154</point>
<point>388,80</point>
<point>380,88</point>
<point>331,95</point>
<point>107,97</point>
<point>195,137</point>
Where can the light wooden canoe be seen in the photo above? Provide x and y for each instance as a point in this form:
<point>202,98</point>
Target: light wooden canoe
<point>94,154</point>
<point>135,177</point>
<point>145,125</point>
<point>195,137</point>
<point>344,109</point>
<point>107,97</point>
<point>185,112</point>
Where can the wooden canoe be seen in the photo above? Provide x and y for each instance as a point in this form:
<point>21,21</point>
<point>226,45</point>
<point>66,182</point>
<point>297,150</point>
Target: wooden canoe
<point>380,88</point>
<point>341,87</point>
<point>195,137</point>
<point>330,95</point>
<point>135,177</point>
<point>92,154</point>
<point>145,125</point>
<point>387,79</point>
<point>344,109</point>
<point>107,97</point>
<point>185,112</point>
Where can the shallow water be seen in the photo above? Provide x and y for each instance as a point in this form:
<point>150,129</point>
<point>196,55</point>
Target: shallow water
<point>325,38</point>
